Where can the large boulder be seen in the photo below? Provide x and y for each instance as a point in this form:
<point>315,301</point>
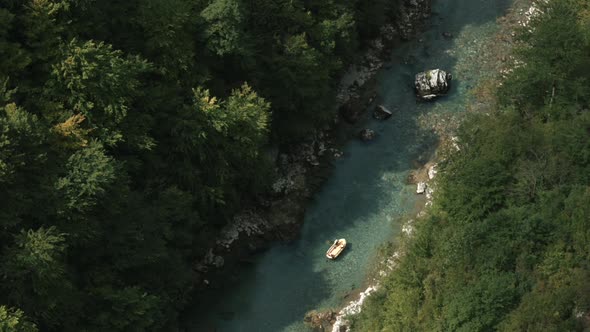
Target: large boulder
<point>432,83</point>
<point>381,113</point>
<point>421,188</point>
<point>352,110</point>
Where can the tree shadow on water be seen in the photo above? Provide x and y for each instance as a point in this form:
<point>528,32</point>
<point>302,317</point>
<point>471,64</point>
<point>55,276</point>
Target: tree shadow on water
<point>281,287</point>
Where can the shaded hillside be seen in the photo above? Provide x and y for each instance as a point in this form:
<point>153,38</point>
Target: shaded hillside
<point>131,131</point>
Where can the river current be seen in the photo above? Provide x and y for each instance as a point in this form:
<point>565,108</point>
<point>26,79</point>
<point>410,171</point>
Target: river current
<point>366,196</point>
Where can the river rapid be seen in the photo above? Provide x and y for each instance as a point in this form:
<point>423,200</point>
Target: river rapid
<point>367,195</point>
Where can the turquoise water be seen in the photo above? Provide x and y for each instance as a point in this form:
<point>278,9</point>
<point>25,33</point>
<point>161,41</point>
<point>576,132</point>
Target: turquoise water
<point>366,196</point>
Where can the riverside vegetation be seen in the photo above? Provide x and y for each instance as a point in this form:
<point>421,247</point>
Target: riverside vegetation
<point>132,131</point>
<point>506,245</point>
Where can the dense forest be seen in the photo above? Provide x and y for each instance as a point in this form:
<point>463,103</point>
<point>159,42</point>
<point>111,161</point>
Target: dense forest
<point>507,244</point>
<point>130,131</point>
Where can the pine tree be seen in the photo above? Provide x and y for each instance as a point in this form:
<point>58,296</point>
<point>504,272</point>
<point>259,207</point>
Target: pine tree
<point>102,85</point>
<point>14,320</point>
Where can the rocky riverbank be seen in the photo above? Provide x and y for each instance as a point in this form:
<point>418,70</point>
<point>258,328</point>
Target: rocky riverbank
<point>302,168</point>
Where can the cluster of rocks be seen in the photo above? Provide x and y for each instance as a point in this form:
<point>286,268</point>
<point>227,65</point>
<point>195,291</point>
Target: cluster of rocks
<point>246,224</point>
<point>380,113</point>
<point>421,188</point>
<point>292,168</point>
<point>320,320</point>
<point>425,187</point>
<point>351,94</point>
<point>531,13</point>
<point>354,99</point>
<point>408,228</point>
<point>413,12</point>
<point>392,260</point>
<point>354,307</point>
<point>210,260</point>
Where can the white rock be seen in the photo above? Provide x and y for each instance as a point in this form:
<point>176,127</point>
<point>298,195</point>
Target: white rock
<point>354,307</point>
<point>432,172</point>
<point>421,188</point>
<point>455,141</point>
<point>408,229</point>
<point>429,192</point>
<point>432,83</point>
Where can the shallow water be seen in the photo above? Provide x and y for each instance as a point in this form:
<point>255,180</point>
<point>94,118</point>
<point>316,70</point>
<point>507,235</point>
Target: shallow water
<point>366,196</point>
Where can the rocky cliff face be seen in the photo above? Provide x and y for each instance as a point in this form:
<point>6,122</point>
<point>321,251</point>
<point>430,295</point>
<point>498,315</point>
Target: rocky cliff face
<point>301,170</point>
<point>414,13</point>
<point>355,93</point>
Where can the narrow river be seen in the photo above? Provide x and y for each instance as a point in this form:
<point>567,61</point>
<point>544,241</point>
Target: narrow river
<point>367,195</point>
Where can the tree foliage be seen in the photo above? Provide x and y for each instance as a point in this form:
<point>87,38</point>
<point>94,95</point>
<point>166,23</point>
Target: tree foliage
<point>14,320</point>
<point>133,131</point>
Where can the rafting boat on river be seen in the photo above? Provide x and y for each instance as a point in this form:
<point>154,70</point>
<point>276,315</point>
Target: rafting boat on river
<point>336,248</point>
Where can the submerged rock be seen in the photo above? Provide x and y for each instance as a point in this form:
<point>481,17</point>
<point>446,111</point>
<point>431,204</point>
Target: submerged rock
<point>367,135</point>
<point>381,113</point>
<point>432,83</point>
<point>337,153</point>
